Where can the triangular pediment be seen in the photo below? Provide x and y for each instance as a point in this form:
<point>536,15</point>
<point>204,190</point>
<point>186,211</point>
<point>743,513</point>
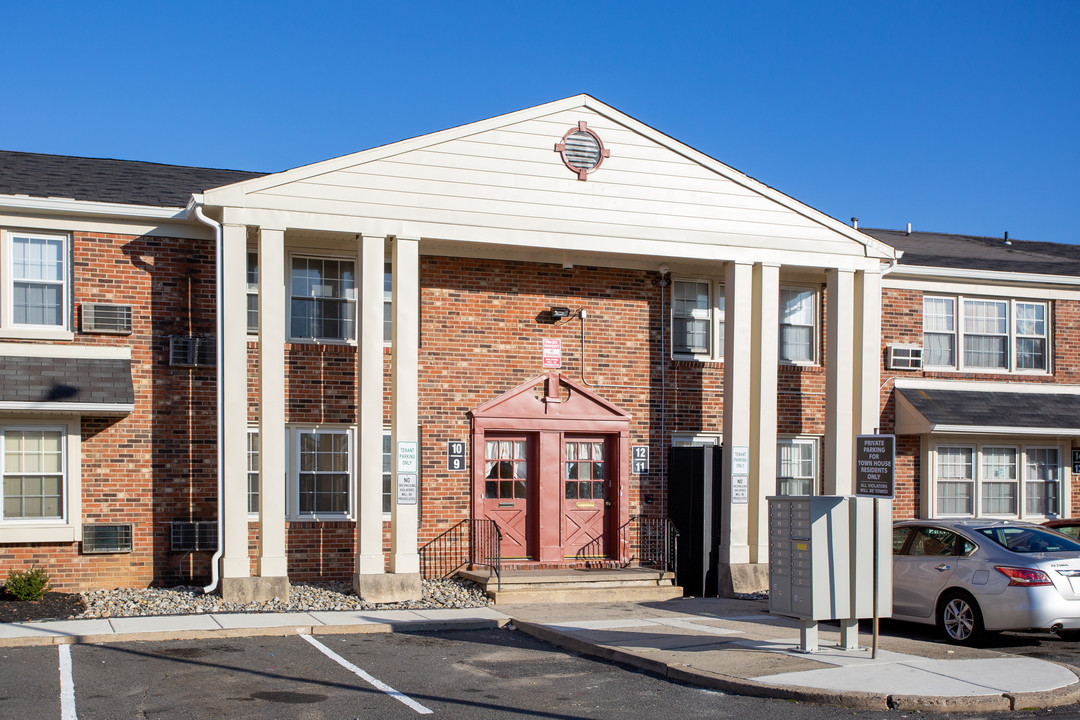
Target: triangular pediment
<point>502,182</point>
<point>550,396</point>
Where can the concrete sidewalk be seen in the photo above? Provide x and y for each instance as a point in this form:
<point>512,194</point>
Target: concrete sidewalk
<point>729,645</point>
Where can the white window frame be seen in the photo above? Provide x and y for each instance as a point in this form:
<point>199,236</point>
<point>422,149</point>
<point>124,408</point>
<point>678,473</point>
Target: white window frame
<point>713,314</point>
<point>1011,336</point>
<point>293,512</point>
<point>8,327</point>
<point>253,288</point>
<point>696,440</point>
<point>68,527</point>
<point>815,326</point>
<point>388,304</point>
<point>252,455</point>
<point>801,441</point>
<point>353,300</point>
<point>387,474</point>
<point>979,480</point>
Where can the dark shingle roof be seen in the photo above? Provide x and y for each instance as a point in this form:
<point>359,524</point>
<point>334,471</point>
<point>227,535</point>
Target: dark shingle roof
<point>66,380</point>
<point>991,408</point>
<point>114,181</point>
<point>967,252</point>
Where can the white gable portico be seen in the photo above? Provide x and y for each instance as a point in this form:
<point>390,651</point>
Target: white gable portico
<point>499,189</point>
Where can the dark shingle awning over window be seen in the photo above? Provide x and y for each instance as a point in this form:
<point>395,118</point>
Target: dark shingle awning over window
<point>88,386</point>
<point>925,410</point>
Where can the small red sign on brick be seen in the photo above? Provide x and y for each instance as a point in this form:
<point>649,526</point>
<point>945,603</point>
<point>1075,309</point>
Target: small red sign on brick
<point>552,353</point>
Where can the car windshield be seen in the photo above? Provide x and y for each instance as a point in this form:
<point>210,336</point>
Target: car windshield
<point>1029,540</point>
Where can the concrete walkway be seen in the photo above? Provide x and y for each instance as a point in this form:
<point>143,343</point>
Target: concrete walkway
<point>730,645</point>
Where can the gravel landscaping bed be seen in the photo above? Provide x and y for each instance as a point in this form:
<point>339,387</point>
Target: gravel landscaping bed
<point>192,601</point>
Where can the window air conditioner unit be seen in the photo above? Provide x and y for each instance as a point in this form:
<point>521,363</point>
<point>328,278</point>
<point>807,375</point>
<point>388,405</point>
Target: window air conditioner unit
<point>904,357</point>
<point>101,538</point>
<point>193,535</point>
<point>192,351</point>
<point>106,318</point>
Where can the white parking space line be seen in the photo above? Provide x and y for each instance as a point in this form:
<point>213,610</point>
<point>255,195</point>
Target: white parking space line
<point>420,709</point>
<point>67,685</point>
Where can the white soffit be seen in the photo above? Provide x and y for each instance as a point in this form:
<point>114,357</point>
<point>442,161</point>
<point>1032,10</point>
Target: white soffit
<point>503,176</point>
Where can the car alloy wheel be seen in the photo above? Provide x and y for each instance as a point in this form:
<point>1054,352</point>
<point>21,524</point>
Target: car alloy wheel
<point>959,619</point>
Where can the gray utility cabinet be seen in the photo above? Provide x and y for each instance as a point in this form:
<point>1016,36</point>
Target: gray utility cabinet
<point>821,563</point>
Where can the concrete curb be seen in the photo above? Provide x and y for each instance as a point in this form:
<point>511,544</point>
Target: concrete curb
<point>277,631</point>
<point>847,699</point>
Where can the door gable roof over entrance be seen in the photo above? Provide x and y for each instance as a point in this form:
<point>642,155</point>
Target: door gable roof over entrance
<point>502,181</point>
<point>559,399</point>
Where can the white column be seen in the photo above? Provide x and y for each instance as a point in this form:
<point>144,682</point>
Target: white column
<point>405,269</point>
<point>738,301</point>
<point>839,395</point>
<point>272,319</point>
<point>867,353</point>
<point>763,346</point>
<point>235,563</point>
<point>370,559</point>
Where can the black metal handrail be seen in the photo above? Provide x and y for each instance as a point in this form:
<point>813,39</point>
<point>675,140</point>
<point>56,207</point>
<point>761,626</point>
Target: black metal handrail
<point>657,542</point>
<point>473,543</point>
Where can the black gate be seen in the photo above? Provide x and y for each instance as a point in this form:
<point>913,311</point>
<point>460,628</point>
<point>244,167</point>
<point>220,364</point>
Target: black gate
<point>694,508</point>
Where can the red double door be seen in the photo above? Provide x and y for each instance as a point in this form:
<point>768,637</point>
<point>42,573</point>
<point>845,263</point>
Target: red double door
<point>551,494</point>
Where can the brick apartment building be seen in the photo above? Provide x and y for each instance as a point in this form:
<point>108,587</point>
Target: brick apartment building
<point>542,290</point>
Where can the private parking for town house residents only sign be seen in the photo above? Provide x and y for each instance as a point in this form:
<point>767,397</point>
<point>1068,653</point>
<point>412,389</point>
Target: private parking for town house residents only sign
<point>875,460</point>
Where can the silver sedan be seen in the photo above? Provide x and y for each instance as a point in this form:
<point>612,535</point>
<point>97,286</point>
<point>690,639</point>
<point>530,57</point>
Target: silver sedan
<point>971,576</point>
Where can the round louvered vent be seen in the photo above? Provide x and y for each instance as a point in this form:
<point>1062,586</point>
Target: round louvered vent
<point>581,150</point>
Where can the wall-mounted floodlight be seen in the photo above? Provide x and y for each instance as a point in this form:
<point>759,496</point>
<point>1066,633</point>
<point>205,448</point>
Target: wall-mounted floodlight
<point>559,313</point>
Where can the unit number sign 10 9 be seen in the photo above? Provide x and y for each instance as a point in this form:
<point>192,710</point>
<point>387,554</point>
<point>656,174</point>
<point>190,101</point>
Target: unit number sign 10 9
<point>455,455</point>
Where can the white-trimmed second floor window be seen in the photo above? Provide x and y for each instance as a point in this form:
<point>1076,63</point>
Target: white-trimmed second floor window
<point>998,479</point>
<point>252,292</point>
<point>796,466</point>
<point>38,286</point>
<point>323,299</point>
<point>697,318</point>
<point>33,474</point>
<point>798,325</point>
<point>985,334</point>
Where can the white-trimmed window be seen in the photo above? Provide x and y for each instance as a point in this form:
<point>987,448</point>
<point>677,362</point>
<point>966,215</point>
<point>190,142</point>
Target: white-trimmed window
<point>985,334</point>
<point>955,480</point>
<point>323,299</point>
<point>1042,478</point>
<point>39,490</point>
<point>34,474</point>
<point>697,319</point>
<point>997,479</point>
<point>798,325</point>
<point>35,298</point>
<point>796,466</point>
<point>253,471</point>
<point>695,440</point>
<point>322,476</point>
<point>1000,484</point>
<point>388,306</point>
<point>387,473</point>
<point>252,292</point>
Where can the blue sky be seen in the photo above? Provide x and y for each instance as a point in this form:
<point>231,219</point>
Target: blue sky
<point>953,116</point>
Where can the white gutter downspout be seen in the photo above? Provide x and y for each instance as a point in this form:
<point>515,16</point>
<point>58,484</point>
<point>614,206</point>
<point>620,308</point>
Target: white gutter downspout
<point>195,208</point>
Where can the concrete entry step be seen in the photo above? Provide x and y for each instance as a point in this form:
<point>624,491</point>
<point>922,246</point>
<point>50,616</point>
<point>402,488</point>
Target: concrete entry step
<point>569,585</point>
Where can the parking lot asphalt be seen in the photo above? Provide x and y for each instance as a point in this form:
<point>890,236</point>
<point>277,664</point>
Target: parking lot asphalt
<point>731,645</point>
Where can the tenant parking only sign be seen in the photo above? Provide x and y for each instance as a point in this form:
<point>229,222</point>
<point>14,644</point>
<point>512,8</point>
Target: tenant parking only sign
<point>875,459</point>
